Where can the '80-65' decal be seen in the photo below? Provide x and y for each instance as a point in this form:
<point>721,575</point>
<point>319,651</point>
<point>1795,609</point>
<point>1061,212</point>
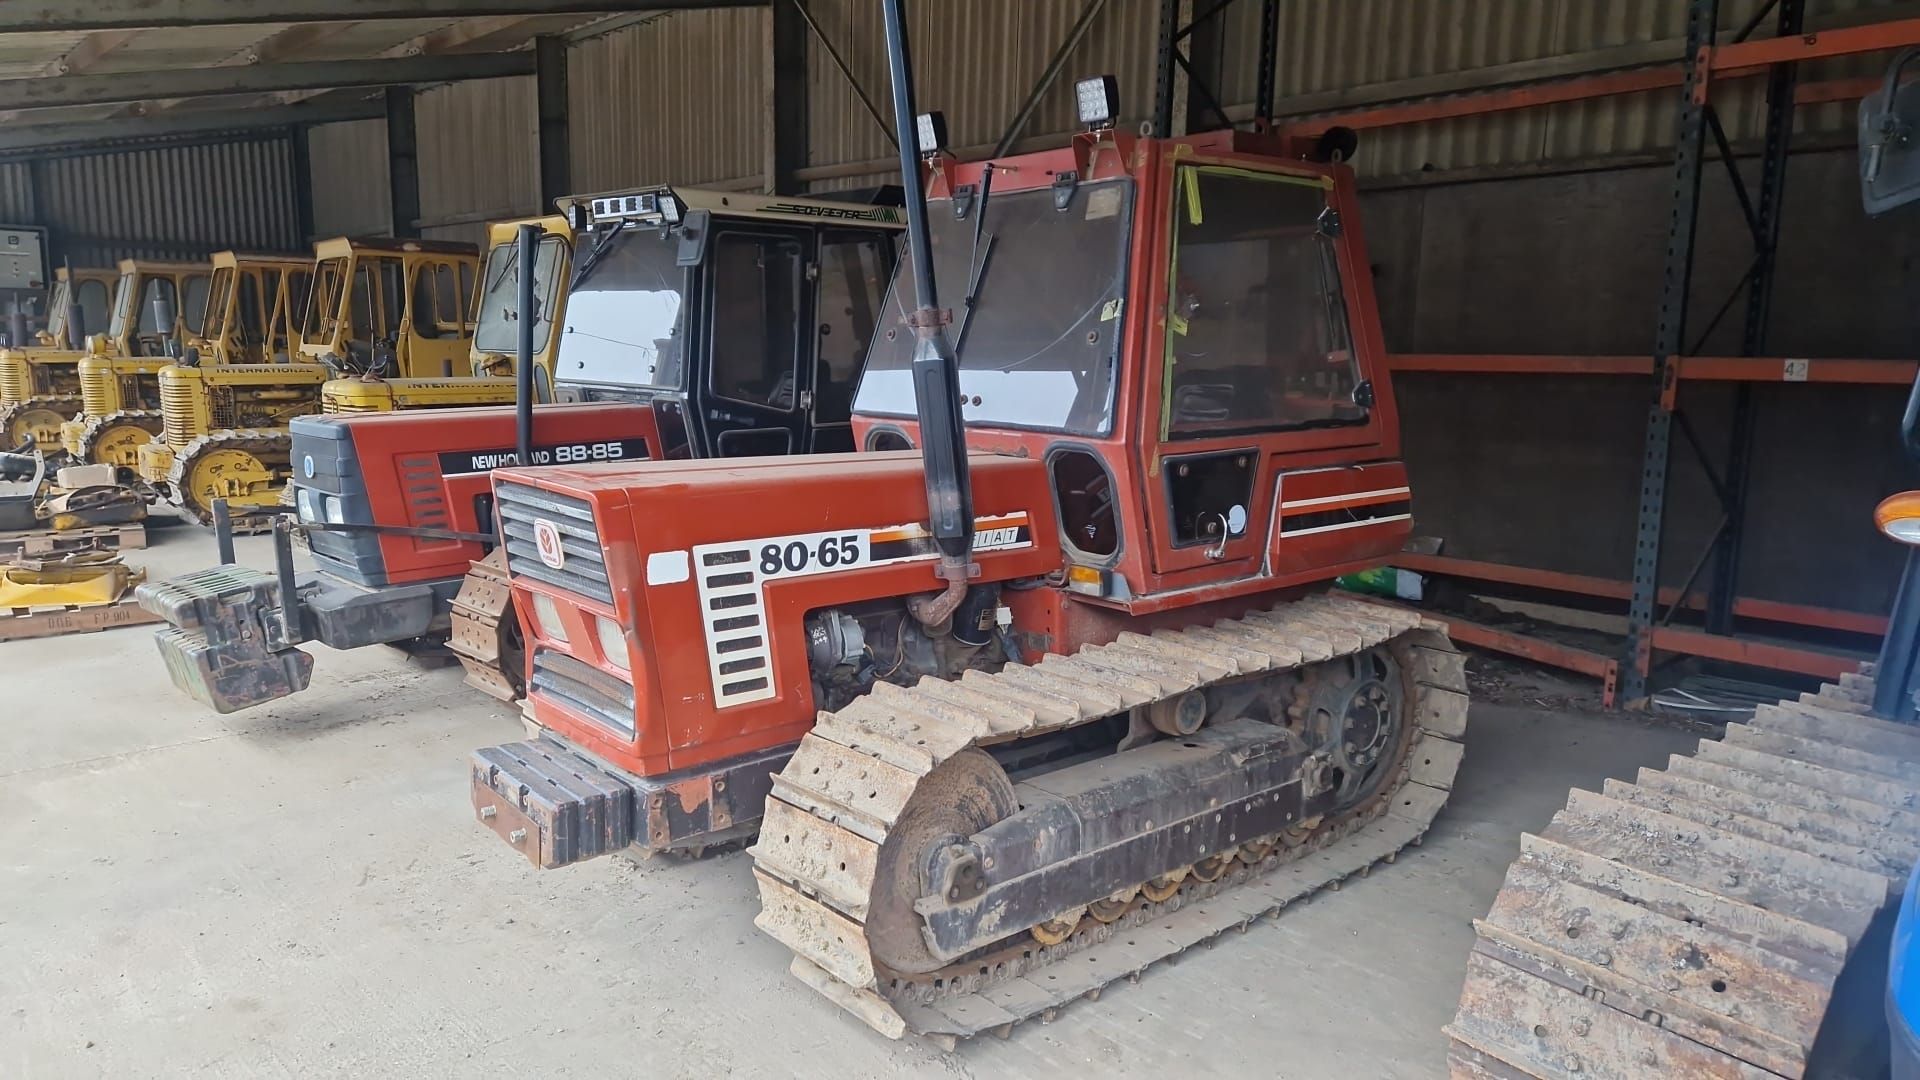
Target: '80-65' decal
<point>731,576</point>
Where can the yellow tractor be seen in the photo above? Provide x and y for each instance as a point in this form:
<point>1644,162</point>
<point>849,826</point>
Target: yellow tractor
<point>245,371</point>
<point>40,388</point>
<point>487,359</point>
<point>377,308</point>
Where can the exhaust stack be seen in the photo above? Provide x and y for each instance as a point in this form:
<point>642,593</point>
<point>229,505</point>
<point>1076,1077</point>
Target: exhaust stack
<point>936,378</point>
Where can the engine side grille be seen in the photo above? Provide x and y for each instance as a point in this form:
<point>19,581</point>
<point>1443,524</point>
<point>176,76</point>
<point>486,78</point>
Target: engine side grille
<point>426,491</point>
<point>584,568</point>
<point>14,381</point>
<point>176,411</point>
<point>96,389</point>
<point>585,689</point>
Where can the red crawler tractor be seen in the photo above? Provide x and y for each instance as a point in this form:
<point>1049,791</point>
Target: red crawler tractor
<point>1067,669</point>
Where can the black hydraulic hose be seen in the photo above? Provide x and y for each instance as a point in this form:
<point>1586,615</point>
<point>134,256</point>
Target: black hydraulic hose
<point>936,380</point>
<point>529,242</point>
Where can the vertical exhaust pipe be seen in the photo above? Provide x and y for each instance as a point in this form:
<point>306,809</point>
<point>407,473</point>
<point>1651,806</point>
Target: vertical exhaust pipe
<point>17,325</point>
<point>528,240</point>
<point>936,378</point>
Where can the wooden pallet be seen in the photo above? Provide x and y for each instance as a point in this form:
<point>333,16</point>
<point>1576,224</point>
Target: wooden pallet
<point>20,623</point>
<point>39,543</point>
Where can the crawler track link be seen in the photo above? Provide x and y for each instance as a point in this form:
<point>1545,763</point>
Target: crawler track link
<point>1695,922</point>
<point>833,805</point>
<point>484,638</point>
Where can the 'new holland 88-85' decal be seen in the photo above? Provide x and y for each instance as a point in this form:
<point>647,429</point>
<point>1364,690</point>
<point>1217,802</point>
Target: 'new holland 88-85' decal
<point>733,605</point>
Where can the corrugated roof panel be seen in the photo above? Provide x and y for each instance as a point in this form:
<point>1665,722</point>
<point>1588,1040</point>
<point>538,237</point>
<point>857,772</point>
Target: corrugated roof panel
<point>678,99</point>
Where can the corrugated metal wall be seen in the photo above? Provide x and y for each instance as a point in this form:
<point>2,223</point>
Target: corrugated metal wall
<point>168,202</point>
<point>350,190</point>
<point>477,156</point>
<point>975,62</point>
<point>677,99</point>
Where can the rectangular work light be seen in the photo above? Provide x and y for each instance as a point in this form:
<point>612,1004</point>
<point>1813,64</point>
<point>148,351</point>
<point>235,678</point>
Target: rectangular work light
<point>930,133</point>
<point>1097,100</point>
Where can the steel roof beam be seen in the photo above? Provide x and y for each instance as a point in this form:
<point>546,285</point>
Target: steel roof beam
<point>73,16</point>
<point>257,79</point>
<point>19,137</point>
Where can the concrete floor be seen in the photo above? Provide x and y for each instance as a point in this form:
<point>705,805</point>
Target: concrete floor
<point>302,890</point>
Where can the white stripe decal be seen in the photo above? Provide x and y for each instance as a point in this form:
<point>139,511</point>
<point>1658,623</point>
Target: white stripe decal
<point>1349,497</point>
<point>1288,535</point>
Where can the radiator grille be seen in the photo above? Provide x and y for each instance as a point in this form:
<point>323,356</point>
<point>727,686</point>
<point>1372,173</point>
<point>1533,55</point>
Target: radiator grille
<point>176,411</point>
<point>583,570</point>
<point>96,389</point>
<point>14,380</point>
<point>585,689</point>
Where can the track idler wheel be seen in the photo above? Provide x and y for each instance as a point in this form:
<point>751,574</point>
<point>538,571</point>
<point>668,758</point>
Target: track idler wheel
<point>964,795</point>
<point>1211,868</point>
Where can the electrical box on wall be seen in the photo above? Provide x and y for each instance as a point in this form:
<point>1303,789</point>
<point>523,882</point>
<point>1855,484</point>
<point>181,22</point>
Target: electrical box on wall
<point>23,257</point>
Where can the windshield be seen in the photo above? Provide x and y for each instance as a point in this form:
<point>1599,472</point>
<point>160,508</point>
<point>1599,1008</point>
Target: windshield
<point>624,311</point>
<point>122,305</point>
<point>57,310</point>
<point>499,316</point>
<point>216,321</point>
<point>1037,346</point>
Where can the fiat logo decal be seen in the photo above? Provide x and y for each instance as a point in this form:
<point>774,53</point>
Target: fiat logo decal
<point>546,538</point>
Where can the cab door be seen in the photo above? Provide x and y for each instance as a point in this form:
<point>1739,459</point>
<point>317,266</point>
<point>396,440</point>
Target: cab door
<point>749,400</point>
<point>850,281</point>
<point>1259,366</point>
<point>438,321</point>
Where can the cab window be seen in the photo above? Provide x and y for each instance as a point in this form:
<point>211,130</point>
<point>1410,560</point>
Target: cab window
<point>853,279</point>
<point>95,302</point>
<point>1257,334</point>
<point>160,291</point>
<point>193,310</point>
<point>252,322</point>
<point>756,318</point>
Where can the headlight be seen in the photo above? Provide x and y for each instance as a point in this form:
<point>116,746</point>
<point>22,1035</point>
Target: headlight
<point>1898,516</point>
<point>335,513</point>
<point>613,643</point>
<point>547,614</point>
<point>303,504</point>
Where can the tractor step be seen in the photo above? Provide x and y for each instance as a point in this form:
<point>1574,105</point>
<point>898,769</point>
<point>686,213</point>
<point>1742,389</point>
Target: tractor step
<point>220,646</point>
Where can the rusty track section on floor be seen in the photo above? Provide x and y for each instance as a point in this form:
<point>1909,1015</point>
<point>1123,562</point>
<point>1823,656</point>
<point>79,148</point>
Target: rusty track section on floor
<point>1694,922</point>
<point>855,774</point>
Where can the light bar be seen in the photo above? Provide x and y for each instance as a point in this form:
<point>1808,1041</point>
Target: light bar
<point>930,132</point>
<point>657,206</point>
<point>1097,101</point>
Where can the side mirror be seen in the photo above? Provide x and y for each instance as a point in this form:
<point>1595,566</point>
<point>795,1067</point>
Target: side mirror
<point>693,238</point>
<point>1363,394</point>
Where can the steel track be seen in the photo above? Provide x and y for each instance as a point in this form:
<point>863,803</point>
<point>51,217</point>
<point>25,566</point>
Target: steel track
<point>853,776</point>
<point>1695,922</point>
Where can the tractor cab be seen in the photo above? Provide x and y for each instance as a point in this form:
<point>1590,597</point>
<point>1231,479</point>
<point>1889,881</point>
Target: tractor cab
<point>742,319</point>
<point>254,309</point>
<point>390,308</point>
<point>1183,331</point>
<point>86,292</point>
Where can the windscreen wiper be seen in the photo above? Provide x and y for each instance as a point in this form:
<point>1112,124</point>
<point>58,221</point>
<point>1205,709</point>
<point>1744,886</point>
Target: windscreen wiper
<point>976,261</point>
<point>592,261</point>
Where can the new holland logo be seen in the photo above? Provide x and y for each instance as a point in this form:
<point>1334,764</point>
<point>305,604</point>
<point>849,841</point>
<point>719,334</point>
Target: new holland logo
<point>546,538</point>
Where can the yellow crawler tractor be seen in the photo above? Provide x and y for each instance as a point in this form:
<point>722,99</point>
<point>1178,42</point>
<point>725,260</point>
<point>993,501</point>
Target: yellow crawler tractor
<point>41,389</point>
<point>377,308</point>
<point>432,360</point>
<point>246,370</point>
